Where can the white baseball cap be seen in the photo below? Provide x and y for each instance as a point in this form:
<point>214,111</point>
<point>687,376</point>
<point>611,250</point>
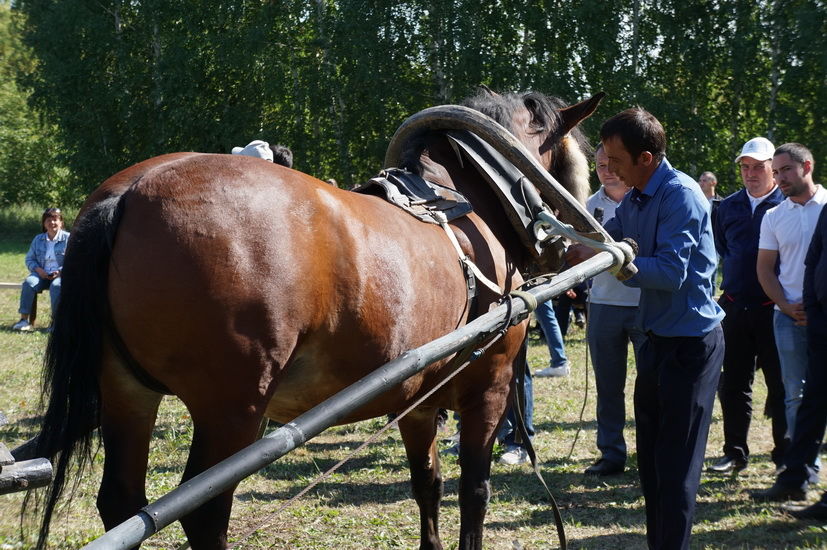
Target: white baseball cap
<point>759,148</point>
<point>256,148</point>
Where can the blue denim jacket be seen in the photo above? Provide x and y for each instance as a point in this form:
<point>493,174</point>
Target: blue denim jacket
<point>36,256</point>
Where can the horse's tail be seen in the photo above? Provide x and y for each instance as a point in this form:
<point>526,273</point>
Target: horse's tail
<point>73,355</point>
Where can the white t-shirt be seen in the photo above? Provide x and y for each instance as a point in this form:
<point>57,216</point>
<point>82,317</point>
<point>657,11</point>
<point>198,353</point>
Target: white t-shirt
<point>788,228</point>
<point>606,289</point>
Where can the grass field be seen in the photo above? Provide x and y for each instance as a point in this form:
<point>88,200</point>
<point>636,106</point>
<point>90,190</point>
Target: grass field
<point>367,503</point>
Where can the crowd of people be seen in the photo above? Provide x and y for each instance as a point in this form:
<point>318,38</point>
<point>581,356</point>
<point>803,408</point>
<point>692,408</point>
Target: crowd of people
<point>690,340</point>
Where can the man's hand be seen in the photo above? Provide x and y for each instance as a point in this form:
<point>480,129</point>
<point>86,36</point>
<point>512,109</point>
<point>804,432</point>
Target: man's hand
<point>796,311</point>
<point>41,273</point>
<point>578,253</point>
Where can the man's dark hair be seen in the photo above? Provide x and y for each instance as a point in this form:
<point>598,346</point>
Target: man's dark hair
<point>638,130</point>
<point>797,152</point>
<point>282,155</point>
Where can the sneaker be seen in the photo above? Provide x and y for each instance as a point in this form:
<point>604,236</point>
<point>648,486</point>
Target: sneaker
<point>554,372</point>
<point>22,324</point>
<point>452,439</point>
<point>514,455</point>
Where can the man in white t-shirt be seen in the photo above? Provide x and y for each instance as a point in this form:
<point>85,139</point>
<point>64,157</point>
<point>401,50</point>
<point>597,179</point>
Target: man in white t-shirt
<point>785,236</point>
<point>613,309</point>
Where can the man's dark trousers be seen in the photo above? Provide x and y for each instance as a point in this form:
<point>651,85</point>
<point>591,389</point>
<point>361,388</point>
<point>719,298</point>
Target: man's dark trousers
<point>750,345</point>
<point>674,395</point>
<point>811,418</point>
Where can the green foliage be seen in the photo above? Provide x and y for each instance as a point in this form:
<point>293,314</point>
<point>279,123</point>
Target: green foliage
<point>30,169</point>
<point>332,79</point>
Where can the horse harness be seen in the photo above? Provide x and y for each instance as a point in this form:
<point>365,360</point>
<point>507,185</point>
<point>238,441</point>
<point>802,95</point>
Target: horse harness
<point>433,203</point>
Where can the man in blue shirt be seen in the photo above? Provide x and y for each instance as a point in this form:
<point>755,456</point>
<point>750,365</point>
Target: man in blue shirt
<point>679,364</point>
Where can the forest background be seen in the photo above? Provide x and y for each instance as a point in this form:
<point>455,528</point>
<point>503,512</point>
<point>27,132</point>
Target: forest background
<point>88,88</point>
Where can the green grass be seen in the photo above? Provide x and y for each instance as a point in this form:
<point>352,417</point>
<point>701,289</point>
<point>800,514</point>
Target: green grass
<point>367,503</point>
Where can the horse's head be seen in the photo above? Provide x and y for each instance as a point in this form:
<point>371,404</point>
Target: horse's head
<point>545,127</point>
<point>548,128</point>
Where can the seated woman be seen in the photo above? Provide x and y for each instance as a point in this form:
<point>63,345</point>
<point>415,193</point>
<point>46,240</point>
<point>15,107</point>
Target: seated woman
<point>45,262</point>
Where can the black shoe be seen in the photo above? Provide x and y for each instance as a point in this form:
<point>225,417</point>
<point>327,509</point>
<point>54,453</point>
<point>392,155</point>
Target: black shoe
<point>604,467</point>
<point>780,493</point>
<point>727,465</point>
<point>817,511</point>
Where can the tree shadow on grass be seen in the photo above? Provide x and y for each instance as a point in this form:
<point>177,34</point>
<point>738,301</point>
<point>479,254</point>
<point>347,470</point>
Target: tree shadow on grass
<point>21,430</point>
<point>555,426</point>
<point>625,541</point>
<point>782,533</point>
<point>337,493</point>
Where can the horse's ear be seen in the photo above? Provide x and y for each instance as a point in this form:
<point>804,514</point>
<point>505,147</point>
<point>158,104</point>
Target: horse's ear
<point>574,114</point>
<point>488,90</point>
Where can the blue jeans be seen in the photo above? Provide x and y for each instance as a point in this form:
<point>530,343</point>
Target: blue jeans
<point>509,434</point>
<point>610,330</point>
<point>792,353</point>
<point>551,330</point>
<point>33,285</point>
<point>802,456</point>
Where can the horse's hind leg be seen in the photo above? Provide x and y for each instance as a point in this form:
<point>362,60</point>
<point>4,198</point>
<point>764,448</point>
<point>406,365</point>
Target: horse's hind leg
<point>218,434</point>
<point>418,431</point>
<point>128,412</point>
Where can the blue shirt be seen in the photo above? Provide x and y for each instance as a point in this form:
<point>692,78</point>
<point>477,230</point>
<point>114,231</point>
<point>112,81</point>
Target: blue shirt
<point>676,262</point>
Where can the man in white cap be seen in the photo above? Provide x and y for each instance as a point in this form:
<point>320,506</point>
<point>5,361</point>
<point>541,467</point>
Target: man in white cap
<point>786,231</point>
<point>256,148</point>
<point>748,325</point>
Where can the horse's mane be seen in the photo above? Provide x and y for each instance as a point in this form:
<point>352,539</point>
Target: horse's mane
<point>570,164</point>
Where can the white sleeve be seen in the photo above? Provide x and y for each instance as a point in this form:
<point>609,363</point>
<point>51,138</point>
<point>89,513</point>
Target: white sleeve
<point>767,240</point>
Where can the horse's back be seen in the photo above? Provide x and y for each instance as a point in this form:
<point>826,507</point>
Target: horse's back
<point>230,269</point>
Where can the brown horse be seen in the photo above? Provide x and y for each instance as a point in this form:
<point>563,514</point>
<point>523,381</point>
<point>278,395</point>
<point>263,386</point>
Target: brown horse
<point>250,290</point>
